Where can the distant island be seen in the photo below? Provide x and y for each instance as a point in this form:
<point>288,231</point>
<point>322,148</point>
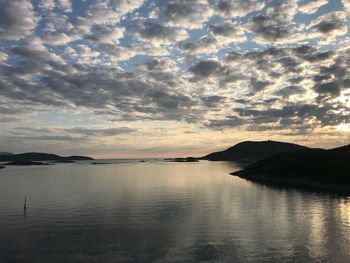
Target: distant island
<point>5,153</point>
<point>183,160</point>
<point>26,163</point>
<point>33,158</point>
<point>63,161</point>
<point>316,168</point>
<point>250,151</point>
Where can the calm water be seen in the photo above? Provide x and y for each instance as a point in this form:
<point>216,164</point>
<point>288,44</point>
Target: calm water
<point>164,212</point>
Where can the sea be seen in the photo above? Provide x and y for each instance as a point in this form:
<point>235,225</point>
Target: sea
<point>161,211</point>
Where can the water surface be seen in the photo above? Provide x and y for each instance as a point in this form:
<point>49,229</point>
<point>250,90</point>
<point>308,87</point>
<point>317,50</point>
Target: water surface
<point>164,212</point>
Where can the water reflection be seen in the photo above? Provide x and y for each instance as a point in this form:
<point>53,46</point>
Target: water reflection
<point>164,212</point>
<point>344,218</point>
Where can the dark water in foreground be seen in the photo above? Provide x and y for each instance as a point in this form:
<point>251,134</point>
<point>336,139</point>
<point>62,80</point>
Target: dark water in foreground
<point>164,212</point>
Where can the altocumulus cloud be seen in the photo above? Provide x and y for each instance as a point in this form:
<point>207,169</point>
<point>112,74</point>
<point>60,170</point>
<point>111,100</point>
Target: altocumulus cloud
<point>249,65</point>
<point>17,19</point>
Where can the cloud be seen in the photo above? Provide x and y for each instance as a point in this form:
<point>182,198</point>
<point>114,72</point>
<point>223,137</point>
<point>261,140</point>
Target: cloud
<point>228,122</point>
<point>106,34</point>
<point>212,101</point>
<point>228,30</point>
<point>47,4</point>
<point>254,65</point>
<point>333,88</point>
<point>10,112</point>
<point>157,34</point>
<point>182,13</point>
<point>328,26</point>
<point>258,85</point>
<point>65,5</point>
<point>57,39</point>
<point>312,6</point>
<point>17,19</point>
<point>288,91</point>
<point>219,36</point>
<point>295,76</point>
<point>311,54</point>
<point>346,4</point>
<point>265,27</point>
<point>144,93</point>
<point>205,44</point>
<point>237,8</point>
<point>46,138</point>
<point>204,69</point>
<point>83,54</point>
<point>80,131</point>
<point>118,53</point>
<point>331,80</point>
<point>3,56</point>
<point>9,119</point>
<point>55,22</point>
<point>294,114</point>
<point>276,24</point>
<point>106,12</point>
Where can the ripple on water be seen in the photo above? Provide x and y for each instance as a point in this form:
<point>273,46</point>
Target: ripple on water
<point>156,212</point>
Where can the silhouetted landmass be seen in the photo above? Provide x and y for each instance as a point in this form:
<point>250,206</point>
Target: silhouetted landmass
<point>64,161</point>
<point>2,167</point>
<point>253,151</point>
<point>78,158</point>
<point>32,156</point>
<point>96,163</point>
<point>6,153</point>
<point>183,160</point>
<point>26,163</point>
<point>325,169</point>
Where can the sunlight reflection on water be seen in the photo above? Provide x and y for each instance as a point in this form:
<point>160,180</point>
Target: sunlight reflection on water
<point>164,212</point>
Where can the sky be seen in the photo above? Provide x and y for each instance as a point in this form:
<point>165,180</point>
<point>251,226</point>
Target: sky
<point>169,78</point>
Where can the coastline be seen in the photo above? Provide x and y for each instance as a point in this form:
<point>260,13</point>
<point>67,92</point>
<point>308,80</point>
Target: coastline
<point>297,183</point>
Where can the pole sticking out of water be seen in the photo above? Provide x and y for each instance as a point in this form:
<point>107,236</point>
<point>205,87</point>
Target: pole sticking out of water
<point>25,203</point>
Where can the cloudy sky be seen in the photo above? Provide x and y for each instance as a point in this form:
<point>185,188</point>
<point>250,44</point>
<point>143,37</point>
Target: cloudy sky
<point>152,78</point>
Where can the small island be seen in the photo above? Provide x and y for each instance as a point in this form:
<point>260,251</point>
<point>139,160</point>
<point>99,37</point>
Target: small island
<point>183,160</point>
<point>34,158</point>
<point>2,167</point>
<point>97,163</point>
<point>315,168</point>
<point>64,161</point>
<point>26,163</point>
<point>47,157</point>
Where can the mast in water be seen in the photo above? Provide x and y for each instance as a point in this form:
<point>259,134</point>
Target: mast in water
<point>25,203</point>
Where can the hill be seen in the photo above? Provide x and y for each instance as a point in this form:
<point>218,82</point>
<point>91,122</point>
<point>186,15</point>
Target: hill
<point>32,156</point>
<point>253,151</point>
<point>329,169</point>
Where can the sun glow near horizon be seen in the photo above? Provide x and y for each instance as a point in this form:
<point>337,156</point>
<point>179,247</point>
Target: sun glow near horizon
<point>163,78</point>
